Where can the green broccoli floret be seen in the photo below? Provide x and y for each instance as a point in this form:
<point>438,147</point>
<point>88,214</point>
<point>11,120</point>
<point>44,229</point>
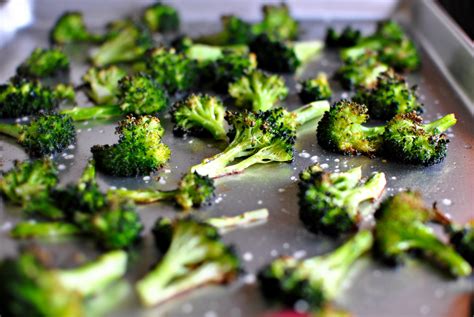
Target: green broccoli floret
<point>44,63</point>
<point>277,23</point>
<point>45,135</point>
<point>258,91</point>
<point>71,28</point>
<point>28,180</point>
<point>139,150</point>
<point>346,38</point>
<point>173,70</point>
<point>361,72</point>
<point>283,57</point>
<point>127,42</point>
<point>316,280</point>
<point>28,288</point>
<point>139,94</point>
<point>407,140</point>
<point>199,114</point>
<point>22,97</point>
<point>401,226</point>
<point>390,96</point>
<point>330,202</point>
<point>315,89</point>
<point>341,130</point>
<point>259,138</point>
<point>234,31</point>
<point>102,84</point>
<point>159,17</point>
<point>194,256</point>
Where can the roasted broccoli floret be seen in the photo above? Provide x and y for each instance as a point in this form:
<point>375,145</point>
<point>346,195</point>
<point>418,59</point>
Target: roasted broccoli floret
<point>277,23</point>
<point>341,130</point>
<point>259,138</point>
<point>390,96</point>
<point>47,134</point>
<point>401,226</point>
<point>194,256</point>
<point>44,63</point>
<point>407,140</point>
<point>22,97</point>
<point>258,91</point>
<point>139,150</point>
<point>102,84</point>
<point>159,17</point>
<point>316,280</point>
<point>139,94</point>
<point>361,72</point>
<point>28,288</point>
<point>315,89</point>
<point>346,38</point>
<point>330,202</point>
<point>199,115</point>
<point>234,31</point>
<point>71,28</point>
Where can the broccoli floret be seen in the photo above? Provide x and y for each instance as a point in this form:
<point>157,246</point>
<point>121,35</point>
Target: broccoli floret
<point>127,42</point>
<point>193,190</point>
<point>234,31</point>
<point>139,150</point>
<point>346,38</point>
<point>315,89</point>
<point>258,91</point>
<point>28,288</point>
<point>22,97</point>
<point>102,84</point>
<point>341,130</point>
<point>44,63</point>
<point>361,72</point>
<point>226,223</point>
<point>161,18</point>
<point>283,57</point>
<point>316,280</point>
<point>47,134</point>
<point>259,138</point>
<point>407,140</point>
<point>401,226</point>
<point>28,180</point>
<point>330,202</point>
<point>71,28</point>
<point>199,114</point>
<point>277,23</point>
<point>173,70</point>
<point>194,256</point>
<point>390,96</point>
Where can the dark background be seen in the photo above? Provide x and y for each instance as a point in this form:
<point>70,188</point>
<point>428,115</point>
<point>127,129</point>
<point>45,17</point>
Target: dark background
<point>463,12</point>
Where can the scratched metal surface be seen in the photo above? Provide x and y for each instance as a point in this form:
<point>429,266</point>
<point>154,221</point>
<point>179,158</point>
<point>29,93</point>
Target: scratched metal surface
<point>412,290</point>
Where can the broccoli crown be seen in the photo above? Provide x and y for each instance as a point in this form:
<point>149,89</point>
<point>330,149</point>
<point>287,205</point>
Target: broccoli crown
<point>139,150</point>
<point>43,63</point>
<point>194,190</point>
<point>341,130</point>
<point>390,96</point>
<point>277,23</point>
<point>407,140</point>
<point>234,31</point>
<point>362,71</point>
<point>194,256</point>
<point>161,18</point>
<point>28,180</point>
<point>103,84</point>
<point>47,134</point>
<point>401,226</point>
<point>329,202</point>
<point>258,91</point>
<point>274,55</point>
<point>346,38</point>
<point>389,30</point>
<point>199,114</point>
<point>173,70</point>
<point>70,28</point>
<point>402,56</point>
<point>314,89</point>
<point>462,239</point>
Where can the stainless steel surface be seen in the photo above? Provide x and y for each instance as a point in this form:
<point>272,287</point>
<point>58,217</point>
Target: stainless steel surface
<point>412,290</point>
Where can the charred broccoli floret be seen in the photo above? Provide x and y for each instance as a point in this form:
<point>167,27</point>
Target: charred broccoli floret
<point>361,72</point>
<point>259,138</point>
<point>71,28</point>
<point>258,91</point>
<point>341,130</point>
<point>199,114</point>
<point>407,140</point>
<point>330,202</point>
<point>315,89</point>
<point>139,150</point>
<point>390,96</point>
<point>194,256</point>
<point>315,280</point>
<point>47,134</point>
<point>159,17</point>
<point>277,23</point>
<point>346,38</point>
<point>401,226</point>
<point>44,63</point>
<point>102,84</point>
<point>234,31</point>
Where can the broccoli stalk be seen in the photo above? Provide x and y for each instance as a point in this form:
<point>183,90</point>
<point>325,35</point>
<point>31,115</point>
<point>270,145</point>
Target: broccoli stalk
<point>26,230</point>
<point>315,280</point>
<point>204,53</point>
<point>227,223</point>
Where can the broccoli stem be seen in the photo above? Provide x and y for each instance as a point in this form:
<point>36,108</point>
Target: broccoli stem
<point>107,301</point>
<point>24,230</point>
<point>441,124</point>
<point>372,189</point>
<point>310,111</point>
<point>96,112</point>
<point>12,130</point>
<point>246,218</point>
<point>96,275</point>
<point>145,196</point>
<point>203,52</point>
<point>306,50</point>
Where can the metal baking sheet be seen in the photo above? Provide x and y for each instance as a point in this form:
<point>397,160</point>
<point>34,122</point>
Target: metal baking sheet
<point>415,289</point>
